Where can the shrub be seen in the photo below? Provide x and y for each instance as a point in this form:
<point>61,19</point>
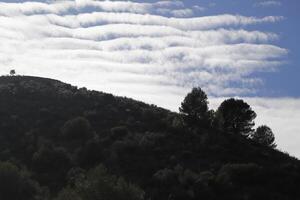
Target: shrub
<point>99,184</point>
<point>15,184</point>
<point>77,128</point>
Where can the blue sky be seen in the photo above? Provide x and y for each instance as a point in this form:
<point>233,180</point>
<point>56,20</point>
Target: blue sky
<point>284,82</point>
<point>156,51</point>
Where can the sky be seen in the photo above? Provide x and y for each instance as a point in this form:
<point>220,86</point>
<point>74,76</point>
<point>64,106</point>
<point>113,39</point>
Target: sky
<point>156,51</point>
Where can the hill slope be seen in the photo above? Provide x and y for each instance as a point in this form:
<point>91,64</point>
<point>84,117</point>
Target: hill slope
<point>60,136</point>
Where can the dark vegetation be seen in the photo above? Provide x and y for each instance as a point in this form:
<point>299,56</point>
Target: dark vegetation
<point>59,142</point>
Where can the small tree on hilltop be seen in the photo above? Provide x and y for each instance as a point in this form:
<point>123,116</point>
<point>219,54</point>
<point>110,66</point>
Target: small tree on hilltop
<point>264,136</point>
<point>236,116</point>
<point>12,72</point>
<point>195,108</point>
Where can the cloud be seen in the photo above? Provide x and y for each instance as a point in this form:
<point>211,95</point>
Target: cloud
<point>199,8</point>
<point>214,52</point>
<point>78,6</point>
<point>267,3</point>
<point>130,38</point>
<point>182,13</point>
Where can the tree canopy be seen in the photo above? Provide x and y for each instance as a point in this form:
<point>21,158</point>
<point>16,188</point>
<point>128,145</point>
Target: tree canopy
<point>236,116</point>
<point>77,128</point>
<point>58,142</point>
<point>97,183</point>
<point>195,108</point>
<point>16,184</point>
<point>264,135</point>
<point>12,72</point>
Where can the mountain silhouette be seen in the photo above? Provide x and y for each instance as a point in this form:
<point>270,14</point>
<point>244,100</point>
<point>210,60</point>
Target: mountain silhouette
<point>58,141</point>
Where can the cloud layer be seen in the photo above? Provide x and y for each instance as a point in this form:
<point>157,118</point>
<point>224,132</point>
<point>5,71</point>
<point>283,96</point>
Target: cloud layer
<point>139,44</point>
<point>153,52</point>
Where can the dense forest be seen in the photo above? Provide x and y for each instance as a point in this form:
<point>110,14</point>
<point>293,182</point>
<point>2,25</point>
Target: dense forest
<point>60,142</point>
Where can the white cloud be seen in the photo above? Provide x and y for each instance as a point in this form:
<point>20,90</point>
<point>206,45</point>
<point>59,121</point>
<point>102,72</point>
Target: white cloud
<point>267,3</point>
<point>131,37</point>
<point>63,7</point>
<point>199,8</point>
<point>183,13</point>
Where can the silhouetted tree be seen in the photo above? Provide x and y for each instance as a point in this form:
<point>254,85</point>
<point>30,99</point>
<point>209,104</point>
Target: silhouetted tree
<point>236,116</point>
<point>264,135</point>
<point>12,72</point>
<point>195,108</point>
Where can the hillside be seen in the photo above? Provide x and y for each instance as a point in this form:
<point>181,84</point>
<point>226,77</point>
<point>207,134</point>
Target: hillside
<point>58,141</point>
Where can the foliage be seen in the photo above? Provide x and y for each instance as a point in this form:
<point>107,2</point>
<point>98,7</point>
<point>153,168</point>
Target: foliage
<point>78,128</point>
<point>195,108</point>
<point>64,136</point>
<point>51,165</point>
<point>16,184</point>
<point>12,72</point>
<point>264,136</point>
<point>68,194</point>
<point>99,184</point>
<point>236,116</point>
<point>119,132</point>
